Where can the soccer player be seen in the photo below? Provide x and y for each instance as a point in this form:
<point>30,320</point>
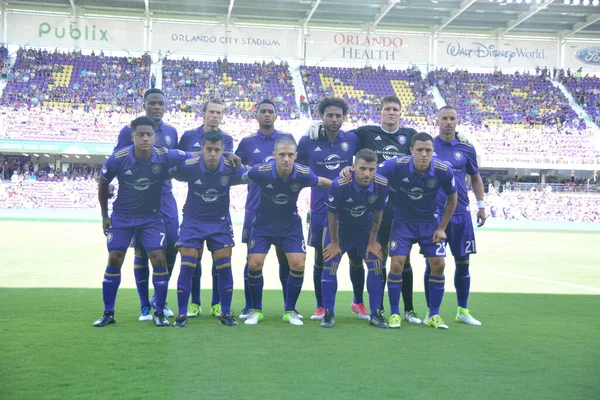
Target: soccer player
<point>417,181</point>
<point>206,218</point>
<point>277,223</point>
<point>165,137</point>
<point>212,112</point>
<point>327,156</point>
<point>388,140</point>
<point>356,207</point>
<point>140,170</point>
<point>256,149</point>
<point>461,236</point>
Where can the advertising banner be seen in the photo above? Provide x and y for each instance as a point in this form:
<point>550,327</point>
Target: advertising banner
<point>375,49</point>
<point>88,33</point>
<point>585,55</point>
<point>55,147</point>
<point>501,53</point>
<point>260,42</point>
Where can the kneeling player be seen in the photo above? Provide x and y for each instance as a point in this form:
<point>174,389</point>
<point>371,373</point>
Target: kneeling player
<point>356,206</point>
<point>416,181</point>
<point>206,218</point>
<point>277,223</point>
<point>141,170</point>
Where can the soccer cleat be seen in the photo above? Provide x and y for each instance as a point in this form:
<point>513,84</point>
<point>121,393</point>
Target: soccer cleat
<point>106,319</point>
<point>245,313</point>
<point>227,319</point>
<point>318,315</point>
<point>411,317</point>
<point>194,310</point>
<point>360,310</point>
<point>328,320</point>
<point>292,318</point>
<point>146,314</point>
<point>378,320</point>
<point>395,321</point>
<point>215,310</point>
<point>180,321</point>
<point>254,318</point>
<point>160,319</point>
<point>167,311</point>
<point>435,321</point>
<point>426,319</point>
<point>463,315</point>
<point>299,315</point>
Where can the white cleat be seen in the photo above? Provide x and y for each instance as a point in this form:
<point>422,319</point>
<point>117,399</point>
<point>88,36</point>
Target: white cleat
<point>463,315</point>
<point>168,313</point>
<point>411,317</point>
<point>246,312</point>
<point>293,318</point>
<point>426,319</point>
<point>254,318</point>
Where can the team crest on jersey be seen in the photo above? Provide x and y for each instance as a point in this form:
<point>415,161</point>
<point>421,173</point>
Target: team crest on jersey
<point>295,187</point>
<point>431,182</point>
<point>168,140</point>
<point>458,155</point>
<point>330,198</point>
<point>156,168</point>
<point>402,139</point>
<point>109,238</point>
<point>224,180</point>
<point>393,245</point>
<point>345,146</point>
<point>371,199</point>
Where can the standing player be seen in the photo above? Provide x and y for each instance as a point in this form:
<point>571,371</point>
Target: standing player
<point>417,181</point>
<point>140,170</point>
<point>206,218</point>
<point>165,137</point>
<point>356,207</point>
<point>327,156</point>
<point>389,140</point>
<point>212,113</point>
<point>461,236</point>
<point>277,223</point>
<point>256,149</point>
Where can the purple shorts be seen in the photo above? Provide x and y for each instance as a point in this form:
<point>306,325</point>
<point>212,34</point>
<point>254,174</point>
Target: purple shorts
<point>218,234</point>
<point>149,230</point>
<point>406,233</point>
<point>286,234</point>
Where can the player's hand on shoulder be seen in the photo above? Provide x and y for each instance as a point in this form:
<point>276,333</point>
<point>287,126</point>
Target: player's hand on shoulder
<point>314,131</point>
<point>462,138</point>
<point>237,162</point>
<point>345,172</point>
<point>106,224</point>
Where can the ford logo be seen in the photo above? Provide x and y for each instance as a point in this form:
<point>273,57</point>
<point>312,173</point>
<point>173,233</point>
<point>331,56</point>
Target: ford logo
<point>589,55</point>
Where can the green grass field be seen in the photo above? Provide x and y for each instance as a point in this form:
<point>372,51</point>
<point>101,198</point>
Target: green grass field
<point>534,343</point>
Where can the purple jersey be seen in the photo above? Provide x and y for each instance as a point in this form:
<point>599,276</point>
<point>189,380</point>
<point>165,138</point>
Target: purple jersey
<point>256,149</point>
<point>140,182</point>
<point>166,136</point>
<point>326,159</point>
<point>463,159</point>
<point>192,140</point>
<point>278,197</point>
<point>415,198</point>
<point>208,192</point>
<point>353,204</point>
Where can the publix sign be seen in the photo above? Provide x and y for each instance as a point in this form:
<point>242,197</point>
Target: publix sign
<point>589,55</point>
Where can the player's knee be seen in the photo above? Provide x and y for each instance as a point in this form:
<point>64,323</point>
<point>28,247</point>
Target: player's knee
<point>297,267</point>
<point>116,258</point>
<point>437,265</point>
<point>396,266</point>
<point>157,258</point>
<point>254,265</point>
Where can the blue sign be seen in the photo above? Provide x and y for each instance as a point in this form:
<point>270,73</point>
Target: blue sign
<point>589,55</point>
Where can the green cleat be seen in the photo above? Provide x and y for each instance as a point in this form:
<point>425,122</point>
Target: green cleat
<point>194,310</point>
<point>463,315</point>
<point>394,321</point>
<point>292,317</point>
<point>215,310</point>
<point>254,318</point>
<point>435,321</point>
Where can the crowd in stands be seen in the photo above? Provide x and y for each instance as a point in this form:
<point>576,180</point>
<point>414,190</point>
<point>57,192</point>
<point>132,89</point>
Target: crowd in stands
<point>363,89</point>
<point>586,92</point>
<point>73,80</point>
<point>240,86</point>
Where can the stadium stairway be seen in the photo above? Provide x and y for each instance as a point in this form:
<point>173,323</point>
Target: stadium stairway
<point>156,69</point>
<point>299,88</point>
<point>581,113</point>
